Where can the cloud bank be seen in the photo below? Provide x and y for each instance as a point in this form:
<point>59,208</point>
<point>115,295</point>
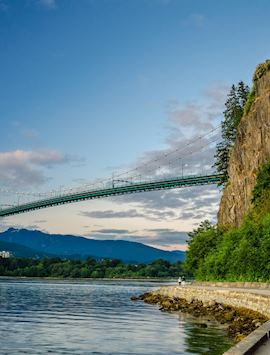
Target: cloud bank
<point>22,168</point>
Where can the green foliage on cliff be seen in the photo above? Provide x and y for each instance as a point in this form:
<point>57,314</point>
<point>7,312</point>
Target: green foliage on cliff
<point>202,241</point>
<point>234,109</point>
<point>56,267</point>
<point>262,182</point>
<point>250,100</point>
<point>261,70</point>
<point>259,73</point>
<point>238,254</point>
<point>241,254</point>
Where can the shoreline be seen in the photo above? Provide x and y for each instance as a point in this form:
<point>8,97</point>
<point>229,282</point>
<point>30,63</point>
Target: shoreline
<point>243,308</point>
<point>152,279</point>
<point>239,322</point>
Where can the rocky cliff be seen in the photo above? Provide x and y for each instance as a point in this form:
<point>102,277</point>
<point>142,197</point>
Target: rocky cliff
<point>251,150</point>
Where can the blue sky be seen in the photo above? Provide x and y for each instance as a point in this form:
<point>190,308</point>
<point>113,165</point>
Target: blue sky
<point>89,87</point>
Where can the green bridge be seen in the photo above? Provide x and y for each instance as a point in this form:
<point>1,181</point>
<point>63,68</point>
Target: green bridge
<point>113,191</point>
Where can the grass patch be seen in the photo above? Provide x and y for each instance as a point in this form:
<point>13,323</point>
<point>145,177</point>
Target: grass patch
<point>250,101</point>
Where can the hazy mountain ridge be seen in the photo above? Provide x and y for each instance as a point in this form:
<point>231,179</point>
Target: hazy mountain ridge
<point>20,250</point>
<point>71,246</point>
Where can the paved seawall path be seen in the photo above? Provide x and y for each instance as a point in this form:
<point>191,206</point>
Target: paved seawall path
<point>250,296</point>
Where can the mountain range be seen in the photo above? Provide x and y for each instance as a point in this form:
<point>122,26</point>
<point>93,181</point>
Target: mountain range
<point>32,243</point>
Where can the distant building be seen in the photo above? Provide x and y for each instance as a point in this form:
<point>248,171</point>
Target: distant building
<point>5,254</point>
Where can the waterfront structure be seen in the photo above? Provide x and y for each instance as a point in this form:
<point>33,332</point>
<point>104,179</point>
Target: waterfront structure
<point>129,188</point>
<point>5,254</point>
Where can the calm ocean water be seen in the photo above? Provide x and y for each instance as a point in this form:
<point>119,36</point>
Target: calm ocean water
<point>96,317</point>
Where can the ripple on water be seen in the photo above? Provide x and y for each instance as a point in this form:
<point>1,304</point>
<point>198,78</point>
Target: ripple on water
<point>42,317</point>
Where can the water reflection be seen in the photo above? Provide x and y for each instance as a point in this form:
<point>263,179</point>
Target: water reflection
<point>204,337</point>
<point>40,317</point>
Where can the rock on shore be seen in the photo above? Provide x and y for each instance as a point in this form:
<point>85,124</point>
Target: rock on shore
<point>240,321</point>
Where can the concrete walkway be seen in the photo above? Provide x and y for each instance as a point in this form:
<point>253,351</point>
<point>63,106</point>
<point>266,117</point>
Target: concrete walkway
<point>257,291</point>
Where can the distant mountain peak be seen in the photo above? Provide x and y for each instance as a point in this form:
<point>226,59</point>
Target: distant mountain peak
<point>69,246</point>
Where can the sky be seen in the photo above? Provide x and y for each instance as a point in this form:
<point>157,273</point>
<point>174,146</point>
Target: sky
<point>91,88</point>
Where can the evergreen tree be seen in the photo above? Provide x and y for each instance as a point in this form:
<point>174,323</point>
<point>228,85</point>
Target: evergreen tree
<point>222,159</point>
<point>234,109</point>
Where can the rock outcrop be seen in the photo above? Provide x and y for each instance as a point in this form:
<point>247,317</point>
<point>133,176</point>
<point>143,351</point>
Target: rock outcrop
<point>226,306</point>
<point>251,150</point>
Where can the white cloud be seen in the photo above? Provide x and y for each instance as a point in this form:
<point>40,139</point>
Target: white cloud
<point>163,238</point>
<point>187,141</point>
<point>190,150</point>
<point>24,168</point>
<point>169,210</point>
<point>131,213</point>
<point>216,96</point>
<point>189,116</point>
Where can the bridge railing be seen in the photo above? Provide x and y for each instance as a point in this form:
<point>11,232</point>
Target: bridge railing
<point>190,180</point>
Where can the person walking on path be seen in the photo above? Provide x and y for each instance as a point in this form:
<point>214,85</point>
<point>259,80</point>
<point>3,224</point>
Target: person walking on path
<point>183,282</point>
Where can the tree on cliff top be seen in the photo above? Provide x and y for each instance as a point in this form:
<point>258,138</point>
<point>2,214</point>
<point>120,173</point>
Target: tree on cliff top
<point>233,113</point>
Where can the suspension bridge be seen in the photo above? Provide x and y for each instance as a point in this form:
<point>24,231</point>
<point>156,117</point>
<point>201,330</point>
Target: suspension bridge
<point>115,190</point>
<point>128,182</point>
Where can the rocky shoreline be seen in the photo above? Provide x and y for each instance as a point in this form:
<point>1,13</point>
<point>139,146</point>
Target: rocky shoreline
<point>239,321</point>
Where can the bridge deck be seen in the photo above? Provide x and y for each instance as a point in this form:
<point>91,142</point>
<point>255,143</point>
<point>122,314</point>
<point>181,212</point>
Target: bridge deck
<point>113,191</point>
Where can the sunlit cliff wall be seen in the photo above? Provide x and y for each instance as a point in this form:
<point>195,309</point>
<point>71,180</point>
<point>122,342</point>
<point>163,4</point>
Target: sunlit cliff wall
<point>251,150</point>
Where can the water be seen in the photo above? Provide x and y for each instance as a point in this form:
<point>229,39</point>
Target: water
<point>96,317</point>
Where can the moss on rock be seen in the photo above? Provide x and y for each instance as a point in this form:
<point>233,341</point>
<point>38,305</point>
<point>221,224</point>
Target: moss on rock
<point>261,70</point>
<point>240,321</point>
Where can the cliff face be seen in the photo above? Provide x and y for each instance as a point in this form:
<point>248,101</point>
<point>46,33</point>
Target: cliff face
<point>251,150</point>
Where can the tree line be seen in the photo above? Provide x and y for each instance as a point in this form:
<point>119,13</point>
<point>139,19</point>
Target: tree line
<point>89,268</point>
<point>235,254</point>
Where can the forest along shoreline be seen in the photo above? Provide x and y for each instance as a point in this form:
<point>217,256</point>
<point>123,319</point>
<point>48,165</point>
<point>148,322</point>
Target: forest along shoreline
<point>238,321</point>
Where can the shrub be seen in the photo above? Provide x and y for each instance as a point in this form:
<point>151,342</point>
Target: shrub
<point>261,70</point>
<point>262,182</point>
